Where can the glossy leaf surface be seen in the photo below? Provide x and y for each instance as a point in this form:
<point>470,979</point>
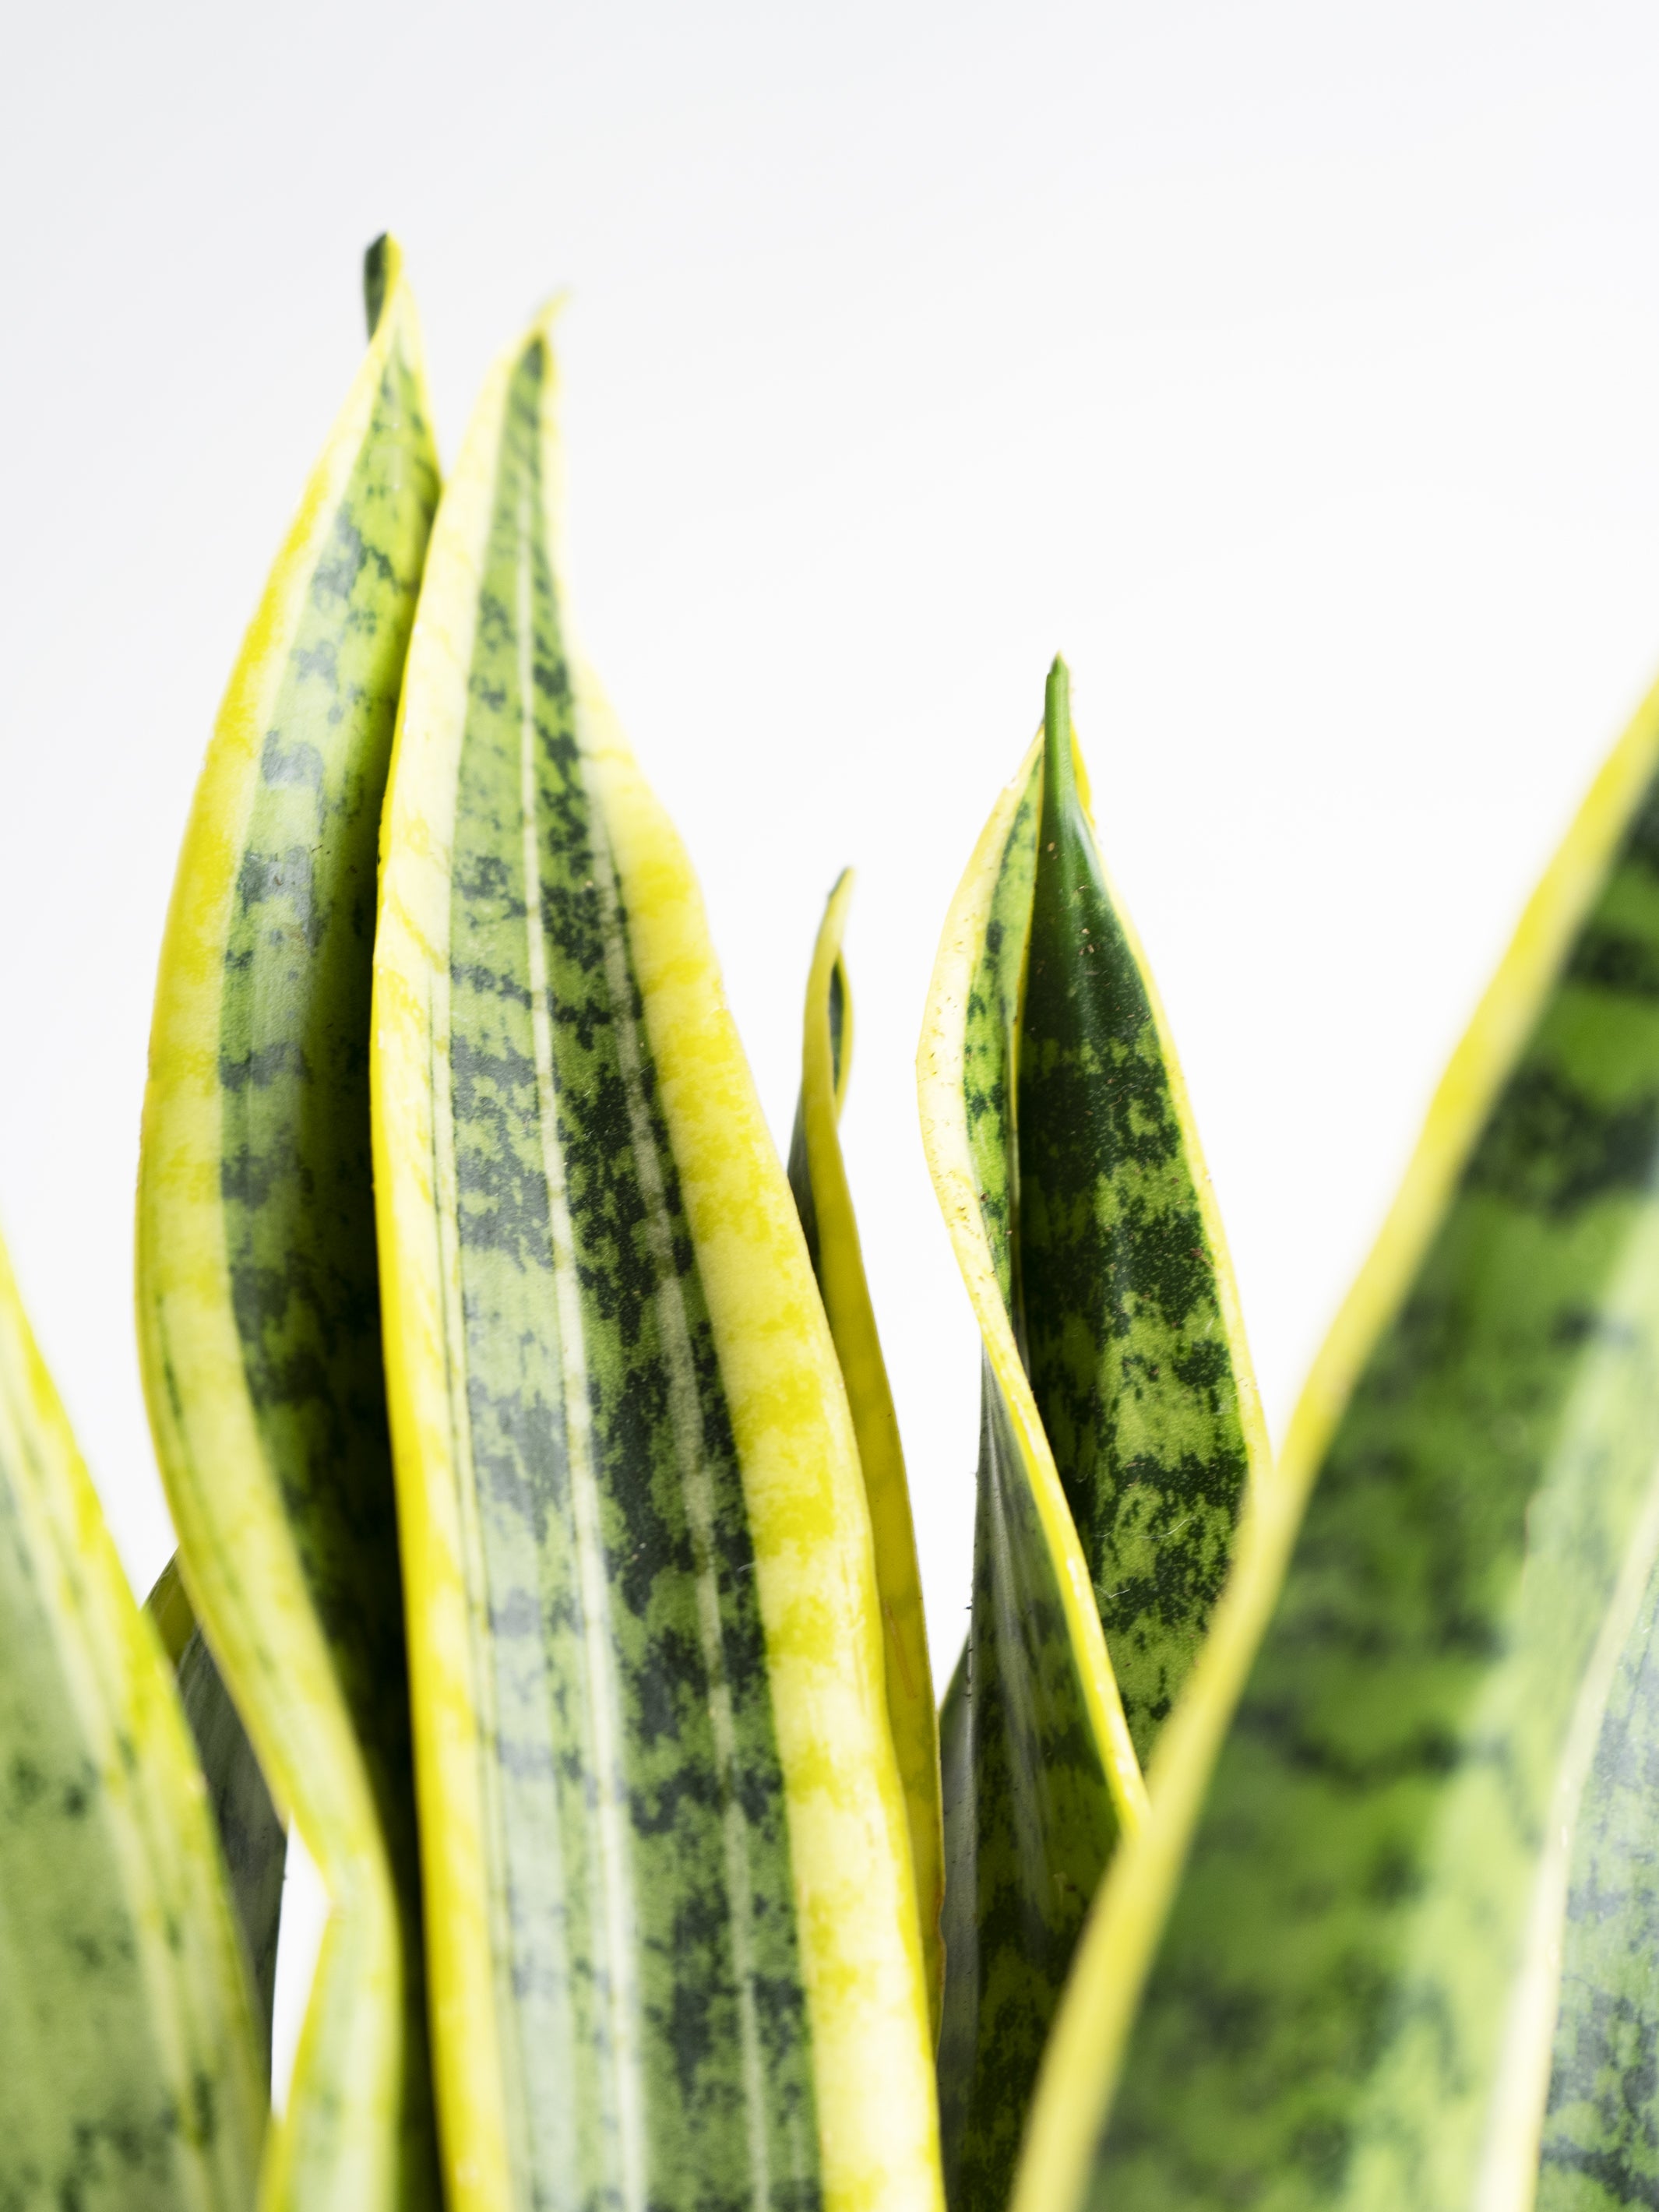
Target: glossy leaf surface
<point>251,1836</point>
<point>258,1310</point>
<point>1351,2002</point>
<point>817,1178</point>
<point>675,1953</point>
<point>131,2076</point>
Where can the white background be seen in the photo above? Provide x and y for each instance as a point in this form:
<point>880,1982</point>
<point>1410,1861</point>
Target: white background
<point>1294,369</point>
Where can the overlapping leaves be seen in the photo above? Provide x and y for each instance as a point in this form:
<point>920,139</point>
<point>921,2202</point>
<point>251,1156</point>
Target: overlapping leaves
<point>1329,1972</point>
<point>1118,1429</point>
<point>1270,1805</point>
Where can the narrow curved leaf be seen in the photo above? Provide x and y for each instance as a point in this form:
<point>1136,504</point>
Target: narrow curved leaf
<point>817,1177</point>
<point>675,1955</point>
<point>131,2079</point>
<point>257,1287</point>
<point>1040,1771</point>
<point>251,1836</point>
<point>1352,1999</point>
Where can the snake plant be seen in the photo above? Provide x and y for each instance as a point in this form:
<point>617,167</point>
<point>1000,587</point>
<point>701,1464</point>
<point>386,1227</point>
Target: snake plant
<point>1288,1836</point>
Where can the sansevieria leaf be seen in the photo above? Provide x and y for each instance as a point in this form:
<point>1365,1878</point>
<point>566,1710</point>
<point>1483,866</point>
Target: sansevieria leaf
<point>817,1177</point>
<point>1352,1999</point>
<point>675,1953</point>
<point>131,2074</point>
<point>1132,1336</point>
<point>251,1836</point>
<point>258,1312</point>
<point>1119,1427</point>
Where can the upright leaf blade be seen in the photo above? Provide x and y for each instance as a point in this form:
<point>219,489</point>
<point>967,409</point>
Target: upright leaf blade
<point>1351,2001</point>
<point>675,1955</point>
<point>130,2080</point>
<point>817,1178</point>
<point>1040,1774</point>
<point>1133,1338</point>
<point>257,1301</point>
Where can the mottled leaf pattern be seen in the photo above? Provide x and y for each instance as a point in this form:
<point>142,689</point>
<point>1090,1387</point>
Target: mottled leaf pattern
<point>1352,1999</point>
<point>675,1955</point>
<point>258,1306</point>
<point>1601,2139</point>
<point>129,2064</point>
<point>251,1836</point>
<point>818,1179</point>
<point>1132,1333</point>
<point>1090,1241</point>
<point>1031,1820</point>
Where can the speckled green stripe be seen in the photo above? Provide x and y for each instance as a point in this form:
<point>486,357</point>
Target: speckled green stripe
<point>1028,1816</point>
<point>1124,1335</point>
<point>91,2112</point>
<point>1600,2144</point>
<point>650,2006</point>
<point>990,1046</point>
<point>129,2078</point>
<point>251,1836</point>
<point>295,1182</point>
<point>1330,2019</point>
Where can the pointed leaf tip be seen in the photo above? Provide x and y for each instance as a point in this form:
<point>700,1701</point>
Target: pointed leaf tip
<point>380,272</point>
<point>541,322</point>
<point>1057,725</point>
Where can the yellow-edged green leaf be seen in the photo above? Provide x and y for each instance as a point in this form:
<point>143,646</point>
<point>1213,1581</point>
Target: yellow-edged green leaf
<point>1600,2136</point>
<point>1351,2000</point>
<point>258,1312</point>
<point>817,1177</point>
<point>1039,1773</point>
<point>1133,1337</point>
<point>674,1950</point>
<point>251,1836</point>
<point>130,2067</point>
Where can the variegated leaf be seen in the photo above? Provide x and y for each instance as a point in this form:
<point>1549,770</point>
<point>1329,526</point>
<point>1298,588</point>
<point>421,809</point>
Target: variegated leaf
<point>130,2071</point>
<point>674,1949</point>
<point>258,1312</point>
<point>1351,2000</point>
<point>817,1178</point>
<point>1132,1330</point>
<point>1118,1426</point>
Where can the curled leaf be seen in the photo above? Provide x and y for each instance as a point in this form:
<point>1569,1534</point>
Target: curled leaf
<point>817,1178</point>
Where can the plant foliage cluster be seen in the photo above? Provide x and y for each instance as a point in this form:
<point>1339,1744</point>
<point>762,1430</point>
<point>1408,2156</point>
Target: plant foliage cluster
<point>1288,1833</point>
